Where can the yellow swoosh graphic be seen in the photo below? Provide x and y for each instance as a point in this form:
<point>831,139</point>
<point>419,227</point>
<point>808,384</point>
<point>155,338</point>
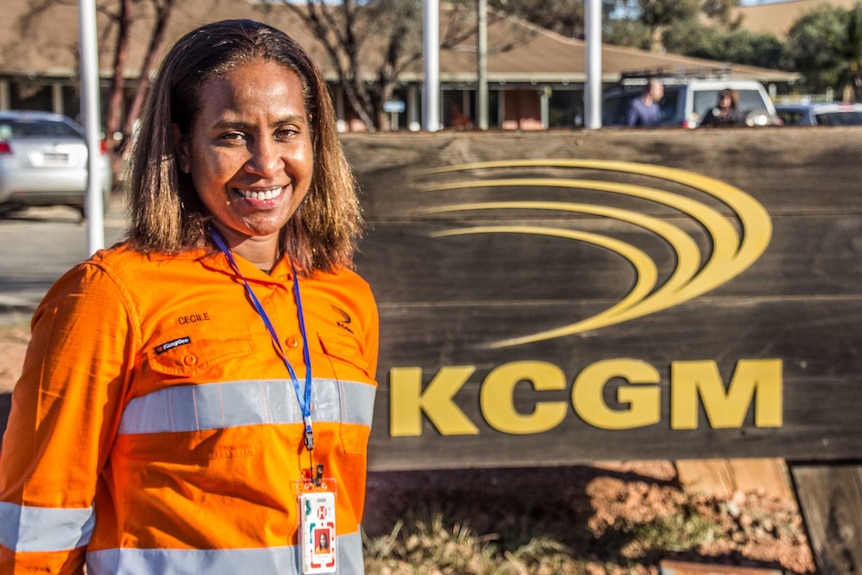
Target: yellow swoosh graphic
<point>687,252</point>
<point>731,254</point>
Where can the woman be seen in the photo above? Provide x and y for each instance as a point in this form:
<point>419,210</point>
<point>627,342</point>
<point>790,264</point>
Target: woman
<point>726,112</point>
<point>182,388</point>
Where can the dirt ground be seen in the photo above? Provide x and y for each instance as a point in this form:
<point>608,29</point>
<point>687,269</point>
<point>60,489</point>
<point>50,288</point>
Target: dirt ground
<point>13,344</point>
<point>602,513</point>
<point>759,528</point>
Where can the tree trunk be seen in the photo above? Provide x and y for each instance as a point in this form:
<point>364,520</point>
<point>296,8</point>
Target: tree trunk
<point>115,99</point>
<point>163,15</point>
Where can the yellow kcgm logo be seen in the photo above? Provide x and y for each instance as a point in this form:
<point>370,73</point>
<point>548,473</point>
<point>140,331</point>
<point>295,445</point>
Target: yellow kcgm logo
<point>755,381</point>
<point>739,234</point>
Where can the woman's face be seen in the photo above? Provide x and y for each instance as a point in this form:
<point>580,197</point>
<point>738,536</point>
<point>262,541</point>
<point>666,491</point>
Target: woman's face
<point>249,149</point>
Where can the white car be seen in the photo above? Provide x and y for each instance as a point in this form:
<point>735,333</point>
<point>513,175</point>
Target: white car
<point>687,98</point>
<point>43,162</point>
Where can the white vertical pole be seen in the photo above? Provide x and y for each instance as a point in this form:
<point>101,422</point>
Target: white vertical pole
<point>413,123</point>
<point>5,98</point>
<point>593,86</point>
<point>431,50</point>
<point>93,203</point>
<point>482,91</point>
<point>57,98</point>
<point>545,106</point>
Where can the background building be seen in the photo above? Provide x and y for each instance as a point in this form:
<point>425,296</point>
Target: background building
<point>535,77</point>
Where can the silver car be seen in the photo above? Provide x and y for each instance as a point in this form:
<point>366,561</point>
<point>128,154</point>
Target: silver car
<point>820,114</point>
<point>43,162</point>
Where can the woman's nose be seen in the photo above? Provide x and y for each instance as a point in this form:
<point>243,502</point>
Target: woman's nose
<point>264,159</point>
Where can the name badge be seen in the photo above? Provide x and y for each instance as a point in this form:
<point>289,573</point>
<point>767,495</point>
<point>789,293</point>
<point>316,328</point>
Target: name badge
<point>317,541</point>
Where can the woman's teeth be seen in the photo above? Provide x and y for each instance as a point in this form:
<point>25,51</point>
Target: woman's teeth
<point>261,194</point>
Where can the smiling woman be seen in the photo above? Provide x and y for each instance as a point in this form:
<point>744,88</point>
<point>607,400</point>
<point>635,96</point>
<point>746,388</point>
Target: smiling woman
<point>208,381</point>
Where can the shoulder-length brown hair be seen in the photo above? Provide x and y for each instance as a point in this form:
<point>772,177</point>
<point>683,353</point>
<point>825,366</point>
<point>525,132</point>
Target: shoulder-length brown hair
<point>166,212</point>
<point>732,94</point>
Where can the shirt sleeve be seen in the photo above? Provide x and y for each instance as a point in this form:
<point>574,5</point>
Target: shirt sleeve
<point>65,412</point>
<point>708,118</point>
<point>372,337</point>
<point>632,114</point>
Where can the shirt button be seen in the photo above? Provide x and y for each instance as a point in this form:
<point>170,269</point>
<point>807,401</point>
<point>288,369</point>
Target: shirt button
<point>190,360</point>
<point>292,342</point>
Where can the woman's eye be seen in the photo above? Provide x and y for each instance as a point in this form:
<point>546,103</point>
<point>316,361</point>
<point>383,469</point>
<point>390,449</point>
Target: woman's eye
<point>286,132</point>
<point>230,138</point>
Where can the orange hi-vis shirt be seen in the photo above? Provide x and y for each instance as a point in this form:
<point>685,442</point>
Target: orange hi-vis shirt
<point>156,430</point>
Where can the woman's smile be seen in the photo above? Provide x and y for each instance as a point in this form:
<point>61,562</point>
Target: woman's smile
<point>268,194</point>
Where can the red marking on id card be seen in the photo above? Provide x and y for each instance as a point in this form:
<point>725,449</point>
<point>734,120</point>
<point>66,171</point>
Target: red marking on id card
<point>317,532</point>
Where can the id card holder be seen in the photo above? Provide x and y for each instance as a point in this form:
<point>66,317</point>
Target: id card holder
<point>317,541</point>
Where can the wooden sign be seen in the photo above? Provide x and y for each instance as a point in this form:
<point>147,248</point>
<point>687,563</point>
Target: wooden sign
<point>563,297</point>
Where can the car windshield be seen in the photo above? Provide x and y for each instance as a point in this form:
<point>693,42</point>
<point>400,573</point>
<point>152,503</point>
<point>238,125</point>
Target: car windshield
<point>842,118</point>
<point>668,105</point>
<point>35,128</point>
<point>791,117</point>
<point>705,100</point>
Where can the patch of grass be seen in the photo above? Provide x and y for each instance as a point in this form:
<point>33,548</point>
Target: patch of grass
<point>427,543</point>
<point>678,532</point>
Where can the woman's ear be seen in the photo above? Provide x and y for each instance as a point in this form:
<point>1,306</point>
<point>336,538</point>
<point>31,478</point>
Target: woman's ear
<point>181,146</point>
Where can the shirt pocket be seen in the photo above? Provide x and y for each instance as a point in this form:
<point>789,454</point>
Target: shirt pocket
<point>202,358</point>
<point>345,357</point>
<point>196,399</point>
<point>356,390</point>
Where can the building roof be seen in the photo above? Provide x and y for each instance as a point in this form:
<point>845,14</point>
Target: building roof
<point>537,56</point>
<point>778,17</point>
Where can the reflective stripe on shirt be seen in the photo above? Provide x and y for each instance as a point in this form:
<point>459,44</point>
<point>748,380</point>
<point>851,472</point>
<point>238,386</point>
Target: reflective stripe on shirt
<point>280,560</point>
<point>24,528</point>
<point>237,403</point>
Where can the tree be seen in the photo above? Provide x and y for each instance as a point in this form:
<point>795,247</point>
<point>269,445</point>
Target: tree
<point>720,11</point>
<point>811,44</point>
<point>691,38</point>
<point>654,15</point>
<point>753,49</point>
<point>640,23</point>
<point>627,32</point>
<point>565,17</point>
<point>848,51</point>
<point>118,20</point>
<point>163,10</point>
<point>386,33</point>
<point>659,13</point>
<point>372,43</point>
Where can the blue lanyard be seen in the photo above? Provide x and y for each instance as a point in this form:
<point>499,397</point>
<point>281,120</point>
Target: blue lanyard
<point>304,400</point>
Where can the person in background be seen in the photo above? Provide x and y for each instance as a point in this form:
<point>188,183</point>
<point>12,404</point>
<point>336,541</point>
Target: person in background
<point>457,119</point>
<point>726,112</point>
<point>183,385</point>
<point>645,110</point>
